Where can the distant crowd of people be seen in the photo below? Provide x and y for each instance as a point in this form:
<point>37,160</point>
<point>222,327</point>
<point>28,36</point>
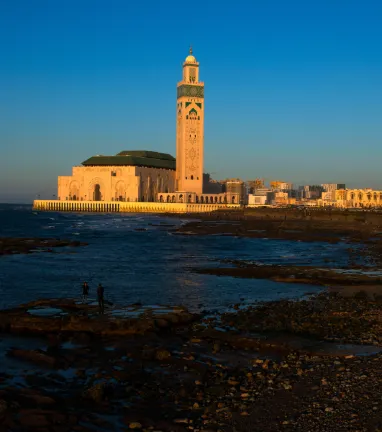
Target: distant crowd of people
<point>100,295</point>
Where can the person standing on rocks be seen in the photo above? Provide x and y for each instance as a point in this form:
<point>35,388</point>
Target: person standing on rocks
<point>101,302</point>
<point>85,291</point>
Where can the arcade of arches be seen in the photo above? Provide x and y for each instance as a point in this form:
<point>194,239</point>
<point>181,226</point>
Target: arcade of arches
<point>359,198</point>
<point>193,198</point>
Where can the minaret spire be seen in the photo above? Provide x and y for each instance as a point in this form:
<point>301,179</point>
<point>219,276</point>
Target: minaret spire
<point>190,131</point>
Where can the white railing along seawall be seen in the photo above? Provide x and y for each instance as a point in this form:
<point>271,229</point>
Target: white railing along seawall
<point>128,207</point>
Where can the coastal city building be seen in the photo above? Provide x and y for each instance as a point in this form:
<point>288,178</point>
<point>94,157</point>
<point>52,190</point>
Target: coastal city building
<point>237,189</point>
<point>281,198</point>
<point>329,196</point>
<point>329,187</point>
<point>211,186</point>
<point>257,200</point>
<point>281,185</point>
<point>261,196</point>
<point>258,183</point>
<point>309,192</point>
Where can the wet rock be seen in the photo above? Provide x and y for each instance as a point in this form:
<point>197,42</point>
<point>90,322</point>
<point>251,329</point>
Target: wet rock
<point>161,323</point>
<point>3,407</point>
<point>30,419</point>
<point>9,245</point>
<point>96,392</point>
<point>70,317</point>
<point>217,390</point>
<point>216,348</point>
<point>181,420</point>
<point>148,353</point>
<point>41,400</point>
<point>135,425</point>
<point>162,354</point>
<point>34,356</point>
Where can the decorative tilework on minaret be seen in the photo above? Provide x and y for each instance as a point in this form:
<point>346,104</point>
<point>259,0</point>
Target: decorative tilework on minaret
<point>190,129</point>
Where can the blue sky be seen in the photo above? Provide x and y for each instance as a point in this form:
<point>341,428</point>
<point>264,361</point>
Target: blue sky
<point>293,89</point>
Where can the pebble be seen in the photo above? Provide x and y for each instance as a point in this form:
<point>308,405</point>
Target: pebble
<point>135,425</point>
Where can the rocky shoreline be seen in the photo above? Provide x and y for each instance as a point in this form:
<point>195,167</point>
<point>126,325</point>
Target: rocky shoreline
<point>11,245</point>
<point>360,230</point>
<point>308,365</point>
<point>279,366</point>
<point>284,227</point>
<point>313,275</point>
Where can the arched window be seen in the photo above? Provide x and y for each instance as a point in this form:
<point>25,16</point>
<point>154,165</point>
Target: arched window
<point>202,199</point>
<point>233,200</point>
<point>193,114</point>
<point>181,198</point>
<point>360,196</point>
<point>352,195</point>
<point>189,198</point>
<point>168,198</point>
<point>192,177</point>
<point>161,198</point>
<point>173,198</point>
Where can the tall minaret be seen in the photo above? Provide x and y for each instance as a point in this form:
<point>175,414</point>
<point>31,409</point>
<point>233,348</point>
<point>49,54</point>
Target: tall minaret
<point>190,129</point>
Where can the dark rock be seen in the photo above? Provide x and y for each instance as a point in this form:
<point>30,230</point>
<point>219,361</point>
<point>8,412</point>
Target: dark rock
<point>162,354</point>
<point>34,356</point>
<point>96,392</point>
<point>3,407</point>
<point>30,419</point>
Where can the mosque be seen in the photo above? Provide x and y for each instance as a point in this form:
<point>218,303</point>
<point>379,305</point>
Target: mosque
<point>148,176</point>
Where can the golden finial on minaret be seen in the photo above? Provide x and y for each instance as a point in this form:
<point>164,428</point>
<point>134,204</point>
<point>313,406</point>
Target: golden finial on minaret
<point>190,49</point>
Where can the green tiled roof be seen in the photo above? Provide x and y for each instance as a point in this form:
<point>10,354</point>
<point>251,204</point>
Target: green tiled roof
<point>147,154</point>
<point>134,158</point>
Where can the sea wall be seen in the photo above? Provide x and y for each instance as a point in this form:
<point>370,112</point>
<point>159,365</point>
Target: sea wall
<point>128,207</point>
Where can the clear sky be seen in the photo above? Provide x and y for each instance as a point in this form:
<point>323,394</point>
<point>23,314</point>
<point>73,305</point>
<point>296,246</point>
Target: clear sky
<point>293,88</point>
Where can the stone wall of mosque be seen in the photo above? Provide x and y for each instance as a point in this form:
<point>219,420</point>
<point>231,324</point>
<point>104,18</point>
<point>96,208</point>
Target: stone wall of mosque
<point>115,183</point>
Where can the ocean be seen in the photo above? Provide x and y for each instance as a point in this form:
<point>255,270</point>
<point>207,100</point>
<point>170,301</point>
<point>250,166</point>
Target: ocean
<point>138,258</point>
